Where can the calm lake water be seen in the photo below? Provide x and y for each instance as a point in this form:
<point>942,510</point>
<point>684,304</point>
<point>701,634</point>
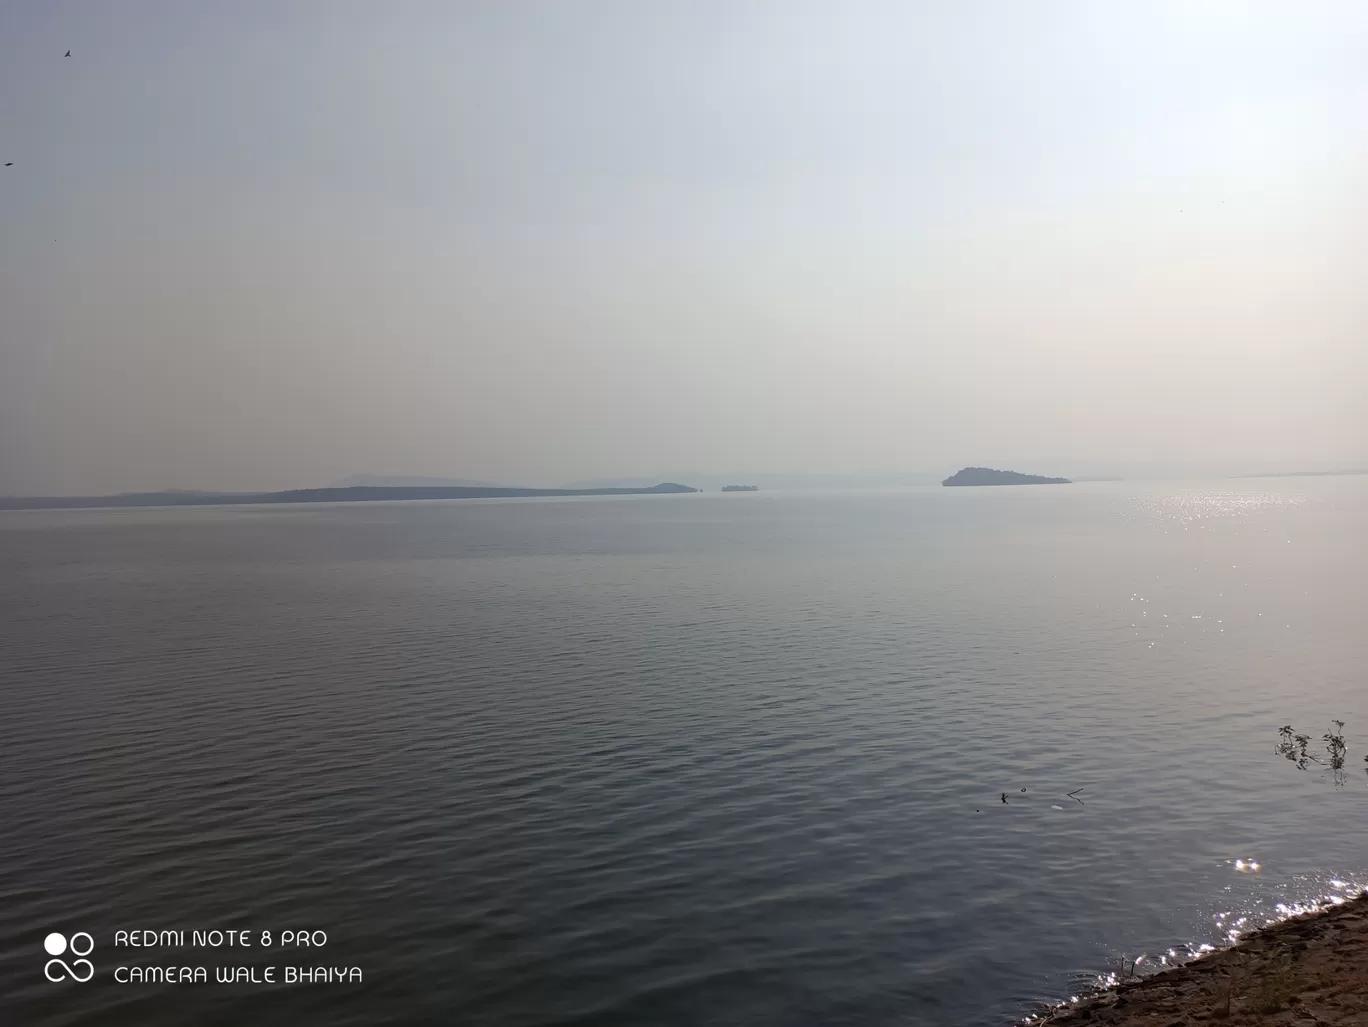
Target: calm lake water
<point>672,760</point>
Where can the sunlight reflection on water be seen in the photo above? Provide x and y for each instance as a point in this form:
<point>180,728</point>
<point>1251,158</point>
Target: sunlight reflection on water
<point>1231,926</point>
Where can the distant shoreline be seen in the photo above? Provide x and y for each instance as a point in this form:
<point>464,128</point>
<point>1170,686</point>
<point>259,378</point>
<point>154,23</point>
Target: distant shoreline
<point>353,494</point>
<point>1303,474</point>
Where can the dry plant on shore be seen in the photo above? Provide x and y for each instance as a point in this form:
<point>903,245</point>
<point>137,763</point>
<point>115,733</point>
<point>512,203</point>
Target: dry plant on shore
<point>1275,990</point>
<point>1223,996</point>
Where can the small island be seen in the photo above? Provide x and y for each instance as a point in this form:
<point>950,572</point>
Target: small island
<point>989,476</point>
<point>740,488</point>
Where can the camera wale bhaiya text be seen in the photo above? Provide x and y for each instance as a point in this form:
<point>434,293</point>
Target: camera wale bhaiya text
<point>189,972</point>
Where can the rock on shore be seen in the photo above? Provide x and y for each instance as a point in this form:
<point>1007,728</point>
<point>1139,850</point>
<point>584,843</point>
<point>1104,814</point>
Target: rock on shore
<point>1308,970</point>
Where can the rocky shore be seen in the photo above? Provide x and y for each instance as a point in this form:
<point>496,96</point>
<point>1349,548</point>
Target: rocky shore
<point>1308,970</point>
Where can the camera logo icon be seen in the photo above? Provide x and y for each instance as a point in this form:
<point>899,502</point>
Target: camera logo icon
<point>81,945</point>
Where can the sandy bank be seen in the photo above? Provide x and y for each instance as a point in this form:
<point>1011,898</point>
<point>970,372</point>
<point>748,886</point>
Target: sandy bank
<point>1309,970</point>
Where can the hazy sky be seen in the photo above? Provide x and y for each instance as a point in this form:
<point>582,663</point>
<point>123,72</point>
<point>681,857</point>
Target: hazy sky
<point>268,244</point>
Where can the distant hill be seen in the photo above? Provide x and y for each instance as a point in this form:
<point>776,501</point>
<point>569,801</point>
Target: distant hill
<point>411,481</point>
<point>354,494</point>
<point>989,476</point>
